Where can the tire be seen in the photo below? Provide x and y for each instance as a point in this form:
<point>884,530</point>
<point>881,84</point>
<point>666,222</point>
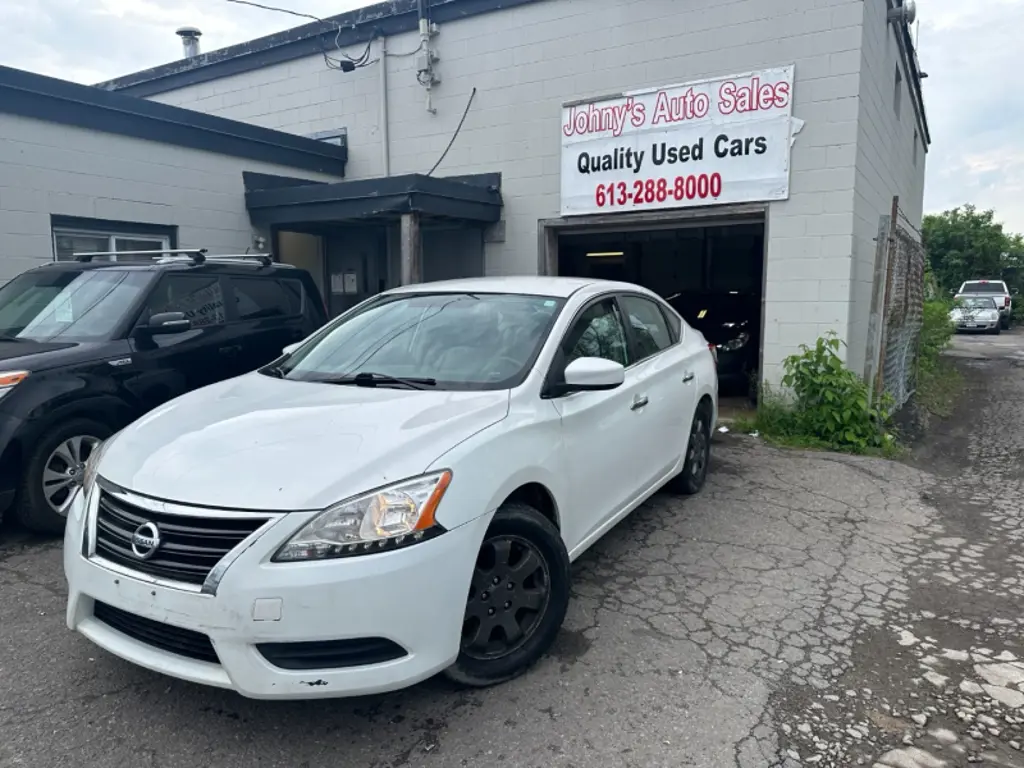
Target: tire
<point>997,330</point>
<point>698,455</point>
<point>526,531</point>
<point>31,507</point>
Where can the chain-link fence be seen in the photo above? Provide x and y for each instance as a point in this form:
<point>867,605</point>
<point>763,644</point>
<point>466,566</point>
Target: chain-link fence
<point>902,309</point>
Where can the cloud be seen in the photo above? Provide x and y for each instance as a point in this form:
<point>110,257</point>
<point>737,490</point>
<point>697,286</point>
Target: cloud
<point>968,51</point>
<point>976,120</point>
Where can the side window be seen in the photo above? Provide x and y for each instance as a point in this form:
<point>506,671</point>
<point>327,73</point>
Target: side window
<point>648,325</point>
<point>597,333</point>
<point>258,298</point>
<point>199,296</point>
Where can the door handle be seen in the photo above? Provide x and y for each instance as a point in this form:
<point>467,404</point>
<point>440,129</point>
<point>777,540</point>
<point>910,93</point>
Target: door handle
<point>234,349</point>
<point>638,402</point>
<point>688,378</point>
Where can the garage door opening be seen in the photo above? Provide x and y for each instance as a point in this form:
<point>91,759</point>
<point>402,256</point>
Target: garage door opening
<point>712,275</point>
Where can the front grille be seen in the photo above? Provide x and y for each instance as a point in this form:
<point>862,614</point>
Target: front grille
<point>189,546</point>
<point>182,642</point>
<point>331,654</point>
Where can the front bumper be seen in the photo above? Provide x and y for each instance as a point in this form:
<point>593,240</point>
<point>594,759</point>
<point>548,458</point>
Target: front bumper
<point>414,597</point>
<point>10,427</point>
<point>977,325</point>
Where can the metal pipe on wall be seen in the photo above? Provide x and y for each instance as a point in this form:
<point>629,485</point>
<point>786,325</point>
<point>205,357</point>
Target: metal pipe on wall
<point>385,132</point>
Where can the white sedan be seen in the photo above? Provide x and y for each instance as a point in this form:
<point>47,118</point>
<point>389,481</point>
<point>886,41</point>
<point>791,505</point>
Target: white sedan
<point>400,494</point>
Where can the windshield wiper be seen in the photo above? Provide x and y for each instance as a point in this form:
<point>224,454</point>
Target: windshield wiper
<point>371,379</point>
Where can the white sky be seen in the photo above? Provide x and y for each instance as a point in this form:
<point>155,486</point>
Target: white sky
<point>975,112</point>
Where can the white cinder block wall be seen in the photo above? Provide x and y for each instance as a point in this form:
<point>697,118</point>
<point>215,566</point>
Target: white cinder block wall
<point>527,61</point>
<point>48,168</point>
<point>888,163</point>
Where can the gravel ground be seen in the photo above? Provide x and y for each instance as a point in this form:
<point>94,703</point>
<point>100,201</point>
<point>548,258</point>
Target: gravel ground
<point>805,609</point>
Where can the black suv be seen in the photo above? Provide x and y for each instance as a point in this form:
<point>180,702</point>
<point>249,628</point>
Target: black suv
<point>86,347</point>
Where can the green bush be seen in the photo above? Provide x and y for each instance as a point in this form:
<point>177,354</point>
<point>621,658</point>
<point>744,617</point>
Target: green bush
<point>1018,309</point>
<point>936,333</point>
<point>832,403</point>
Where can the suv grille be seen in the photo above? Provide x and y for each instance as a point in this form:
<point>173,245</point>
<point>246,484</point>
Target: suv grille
<point>183,642</point>
<point>189,546</point>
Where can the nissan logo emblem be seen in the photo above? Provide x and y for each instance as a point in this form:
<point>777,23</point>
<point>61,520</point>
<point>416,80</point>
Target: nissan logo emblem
<point>145,541</point>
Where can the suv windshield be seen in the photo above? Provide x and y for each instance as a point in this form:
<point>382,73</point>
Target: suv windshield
<point>444,340</point>
<point>987,287</point>
<point>88,305</point>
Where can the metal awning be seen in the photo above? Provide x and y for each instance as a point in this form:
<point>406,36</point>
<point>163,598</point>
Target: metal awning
<point>280,201</point>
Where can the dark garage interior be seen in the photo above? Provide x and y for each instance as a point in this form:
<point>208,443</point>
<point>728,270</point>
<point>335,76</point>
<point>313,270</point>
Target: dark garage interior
<point>713,275</point>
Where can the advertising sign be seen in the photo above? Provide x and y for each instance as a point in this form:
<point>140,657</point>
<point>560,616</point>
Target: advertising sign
<point>724,140</point>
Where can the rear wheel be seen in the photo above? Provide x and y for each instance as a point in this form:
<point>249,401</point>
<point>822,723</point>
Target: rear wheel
<point>517,600</point>
<point>53,474</point>
<point>698,454</point>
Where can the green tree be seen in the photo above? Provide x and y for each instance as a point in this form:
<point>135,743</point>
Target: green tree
<point>967,244</point>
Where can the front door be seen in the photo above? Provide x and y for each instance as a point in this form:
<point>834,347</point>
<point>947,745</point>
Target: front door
<point>166,366</point>
<point>601,430</point>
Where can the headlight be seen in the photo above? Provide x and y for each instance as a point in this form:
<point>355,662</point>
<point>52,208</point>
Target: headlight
<point>738,343</point>
<point>92,465</point>
<point>10,379</point>
<point>389,518</point>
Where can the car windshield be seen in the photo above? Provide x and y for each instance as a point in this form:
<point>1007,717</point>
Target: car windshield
<point>458,341</point>
<point>979,303</point>
<point>61,304</point>
<point>989,287</point>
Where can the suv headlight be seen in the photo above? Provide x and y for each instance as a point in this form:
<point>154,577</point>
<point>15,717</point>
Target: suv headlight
<point>10,379</point>
<point>738,343</point>
<point>388,518</point>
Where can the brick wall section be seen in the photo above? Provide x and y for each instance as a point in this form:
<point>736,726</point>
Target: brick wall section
<point>885,165</point>
<point>47,168</point>
<point>528,61</point>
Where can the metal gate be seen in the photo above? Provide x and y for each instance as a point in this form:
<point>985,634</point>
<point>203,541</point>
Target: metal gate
<point>902,308</point>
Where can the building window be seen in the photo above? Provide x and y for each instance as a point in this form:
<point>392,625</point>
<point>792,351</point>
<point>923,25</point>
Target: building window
<point>82,236</point>
<point>897,95</point>
<point>915,146</point>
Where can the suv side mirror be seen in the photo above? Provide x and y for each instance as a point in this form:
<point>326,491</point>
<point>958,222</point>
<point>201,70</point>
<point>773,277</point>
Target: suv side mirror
<point>168,322</point>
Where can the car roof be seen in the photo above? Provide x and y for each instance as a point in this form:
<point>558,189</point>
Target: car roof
<point>528,285</point>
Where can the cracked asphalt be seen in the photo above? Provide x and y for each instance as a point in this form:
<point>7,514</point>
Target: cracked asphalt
<point>806,609</point>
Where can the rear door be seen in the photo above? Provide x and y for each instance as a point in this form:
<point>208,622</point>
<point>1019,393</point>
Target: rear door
<point>667,378</point>
<point>170,365</point>
<point>267,316</point>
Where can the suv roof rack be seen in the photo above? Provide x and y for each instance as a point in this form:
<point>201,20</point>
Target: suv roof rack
<point>192,255</point>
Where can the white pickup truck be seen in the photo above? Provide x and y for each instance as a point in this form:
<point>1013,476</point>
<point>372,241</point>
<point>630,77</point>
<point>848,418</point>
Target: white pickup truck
<point>995,289</point>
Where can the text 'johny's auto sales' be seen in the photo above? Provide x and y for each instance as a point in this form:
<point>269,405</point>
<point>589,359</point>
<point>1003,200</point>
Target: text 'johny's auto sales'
<point>717,141</point>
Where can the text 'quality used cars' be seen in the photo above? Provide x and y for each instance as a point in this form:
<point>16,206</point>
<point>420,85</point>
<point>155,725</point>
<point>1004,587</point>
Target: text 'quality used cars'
<point>399,495</point>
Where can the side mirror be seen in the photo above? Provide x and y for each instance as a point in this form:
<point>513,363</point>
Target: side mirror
<point>288,349</point>
<point>593,374</point>
<point>168,322</point>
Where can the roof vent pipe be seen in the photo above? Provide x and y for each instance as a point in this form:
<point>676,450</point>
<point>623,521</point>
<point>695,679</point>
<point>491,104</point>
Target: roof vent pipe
<point>905,12</point>
<point>189,41</point>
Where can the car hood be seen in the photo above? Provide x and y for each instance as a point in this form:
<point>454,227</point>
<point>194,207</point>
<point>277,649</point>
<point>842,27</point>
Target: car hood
<point>967,312</point>
<point>256,442</point>
<point>30,355</point>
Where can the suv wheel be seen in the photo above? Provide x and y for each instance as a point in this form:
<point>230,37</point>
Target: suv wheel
<point>53,473</point>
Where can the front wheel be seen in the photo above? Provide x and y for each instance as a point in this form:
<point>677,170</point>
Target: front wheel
<point>53,474</point>
<point>517,599</point>
<point>698,454</point>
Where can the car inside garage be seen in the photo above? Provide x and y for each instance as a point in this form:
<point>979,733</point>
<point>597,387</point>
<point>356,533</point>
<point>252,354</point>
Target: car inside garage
<point>711,273</point>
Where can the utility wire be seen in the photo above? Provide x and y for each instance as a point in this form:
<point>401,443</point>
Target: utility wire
<point>454,135</point>
<point>363,59</point>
